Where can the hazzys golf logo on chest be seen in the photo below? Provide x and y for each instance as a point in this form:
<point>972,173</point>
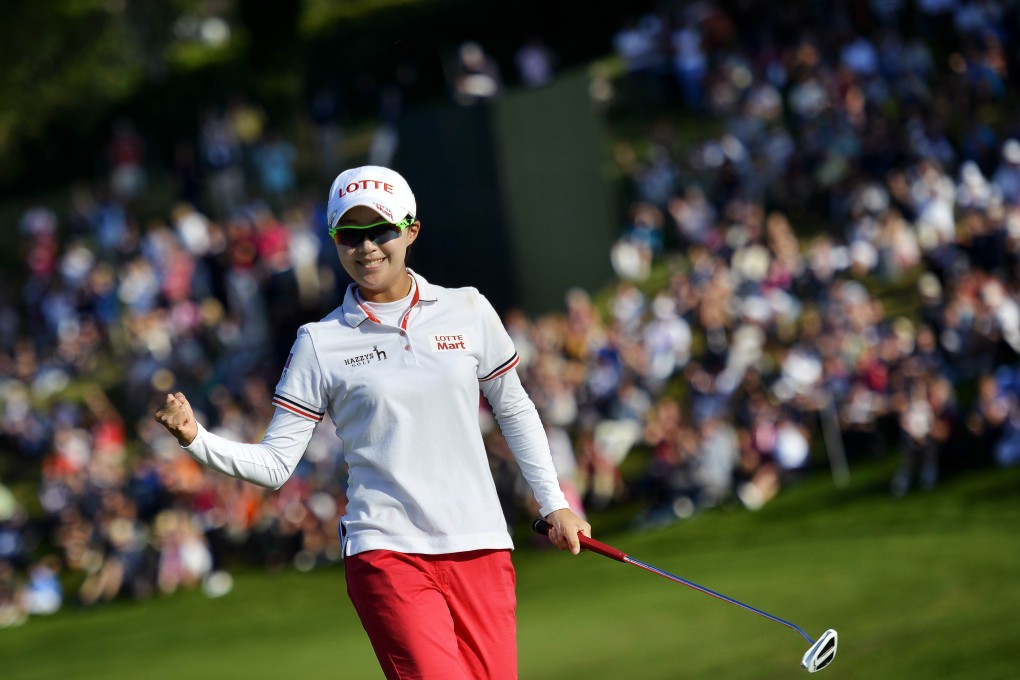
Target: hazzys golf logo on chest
<point>365,359</point>
<point>449,342</point>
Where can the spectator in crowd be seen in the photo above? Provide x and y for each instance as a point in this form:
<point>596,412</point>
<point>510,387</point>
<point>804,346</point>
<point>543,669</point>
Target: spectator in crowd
<point>386,138</point>
<point>324,110</point>
<point>126,155</point>
<point>690,63</point>
<point>1006,177</point>
<point>536,62</point>
<point>475,75</point>
<point>638,43</point>
<point>223,160</point>
<point>273,159</point>
<point>247,120</point>
<point>13,609</point>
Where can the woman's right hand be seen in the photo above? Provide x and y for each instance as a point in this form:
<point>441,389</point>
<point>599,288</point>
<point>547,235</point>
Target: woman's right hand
<point>178,418</point>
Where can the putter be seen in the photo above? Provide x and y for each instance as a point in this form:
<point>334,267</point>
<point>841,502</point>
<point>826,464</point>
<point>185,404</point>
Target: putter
<point>818,656</point>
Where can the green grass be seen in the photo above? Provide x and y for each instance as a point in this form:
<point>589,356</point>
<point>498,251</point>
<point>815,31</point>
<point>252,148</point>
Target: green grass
<point>922,587</point>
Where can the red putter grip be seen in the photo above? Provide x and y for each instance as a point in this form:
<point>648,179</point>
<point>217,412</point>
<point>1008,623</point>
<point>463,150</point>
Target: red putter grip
<point>543,527</point>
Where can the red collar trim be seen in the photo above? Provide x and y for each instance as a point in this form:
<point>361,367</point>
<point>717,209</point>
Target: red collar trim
<point>403,321</point>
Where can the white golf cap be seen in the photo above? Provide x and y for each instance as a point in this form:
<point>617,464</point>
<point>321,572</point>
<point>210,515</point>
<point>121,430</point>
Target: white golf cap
<point>376,187</point>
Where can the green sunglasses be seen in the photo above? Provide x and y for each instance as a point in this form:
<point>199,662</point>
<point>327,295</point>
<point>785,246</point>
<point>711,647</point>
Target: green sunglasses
<point>352,235</point>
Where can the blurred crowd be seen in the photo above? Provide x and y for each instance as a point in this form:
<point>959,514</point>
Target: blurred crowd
<point>896,324</point>
<point>828,272</point>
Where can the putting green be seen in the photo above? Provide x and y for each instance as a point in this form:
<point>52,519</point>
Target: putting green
<point>925,586</point>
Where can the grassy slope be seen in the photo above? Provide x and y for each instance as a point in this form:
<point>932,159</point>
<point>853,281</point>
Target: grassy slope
<point>921,587</point>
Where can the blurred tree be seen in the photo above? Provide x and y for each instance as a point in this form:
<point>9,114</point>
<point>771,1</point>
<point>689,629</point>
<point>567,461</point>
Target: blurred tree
<point>58,57</point>
<point>272,27</point>
<point>67,63</point>
<point>68,68</point>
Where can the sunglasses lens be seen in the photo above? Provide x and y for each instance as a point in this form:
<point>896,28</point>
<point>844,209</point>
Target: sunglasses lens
<point>352,238</point>
<point>349,237</point>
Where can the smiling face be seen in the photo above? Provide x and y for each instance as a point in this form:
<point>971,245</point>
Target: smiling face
<point>376,266</point>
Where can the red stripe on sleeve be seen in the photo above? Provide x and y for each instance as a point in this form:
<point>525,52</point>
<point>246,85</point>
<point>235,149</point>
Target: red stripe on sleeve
<point>299,411</point>
<point>517,360</point>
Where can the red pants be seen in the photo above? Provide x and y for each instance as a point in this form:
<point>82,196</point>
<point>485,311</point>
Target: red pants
<point>438,617</point>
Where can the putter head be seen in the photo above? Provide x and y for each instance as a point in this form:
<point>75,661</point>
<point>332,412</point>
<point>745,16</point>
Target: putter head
<point>821,653</point>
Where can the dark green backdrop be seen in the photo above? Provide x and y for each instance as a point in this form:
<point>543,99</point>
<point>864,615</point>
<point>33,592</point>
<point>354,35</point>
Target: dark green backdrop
<point>512,194</point>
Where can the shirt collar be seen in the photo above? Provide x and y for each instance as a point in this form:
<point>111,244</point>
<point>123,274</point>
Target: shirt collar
<point>355,315</point>
<point>425,289</point>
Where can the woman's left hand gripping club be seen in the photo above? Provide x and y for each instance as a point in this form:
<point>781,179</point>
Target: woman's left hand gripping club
<point>564,529</point>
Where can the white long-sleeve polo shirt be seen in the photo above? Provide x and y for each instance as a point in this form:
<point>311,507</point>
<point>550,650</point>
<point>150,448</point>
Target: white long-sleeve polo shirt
<point>404,400</point>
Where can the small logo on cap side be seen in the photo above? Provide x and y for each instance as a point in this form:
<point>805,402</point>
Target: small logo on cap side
<point>384,211</point>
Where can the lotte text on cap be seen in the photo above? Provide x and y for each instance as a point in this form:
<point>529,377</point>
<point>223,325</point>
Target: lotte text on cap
<point>374,186</point>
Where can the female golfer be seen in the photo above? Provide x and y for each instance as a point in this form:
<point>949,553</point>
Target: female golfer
<point>398,367</point>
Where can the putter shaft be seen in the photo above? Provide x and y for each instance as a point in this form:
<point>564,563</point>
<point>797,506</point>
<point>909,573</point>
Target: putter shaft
<point>542,527</point>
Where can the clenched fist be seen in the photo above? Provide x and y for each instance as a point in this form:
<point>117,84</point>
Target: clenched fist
<point>177,417</point>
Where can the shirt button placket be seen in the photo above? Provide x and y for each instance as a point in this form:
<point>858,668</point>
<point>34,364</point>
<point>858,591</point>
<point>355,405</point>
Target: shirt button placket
<point>406,341</point>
